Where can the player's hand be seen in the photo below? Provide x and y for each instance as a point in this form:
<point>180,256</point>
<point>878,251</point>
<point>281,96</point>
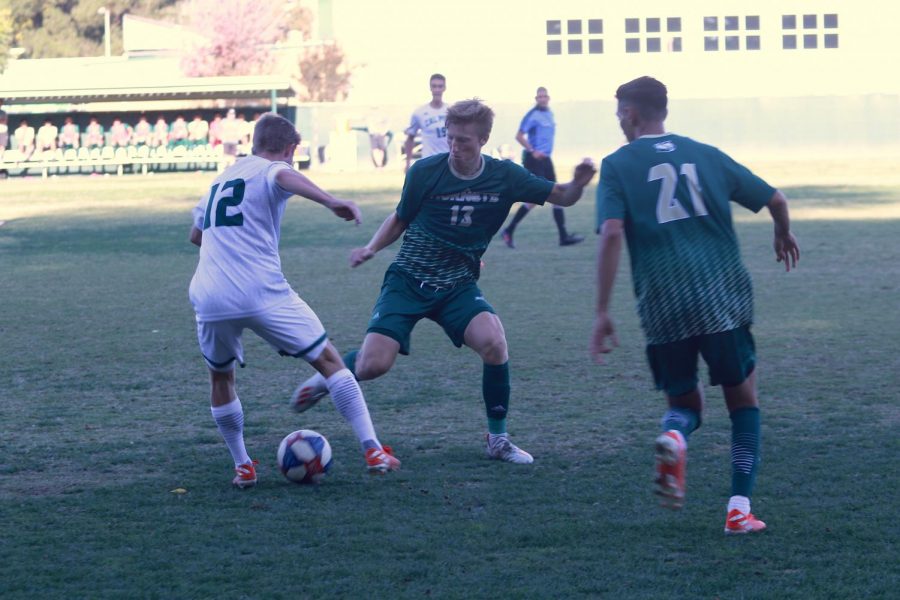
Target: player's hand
<point>360,255</point>
<point>787,250</point>
<point>538,155</point>
<point>584,172</point>
<point>603,329</point>
<point>348,211</point>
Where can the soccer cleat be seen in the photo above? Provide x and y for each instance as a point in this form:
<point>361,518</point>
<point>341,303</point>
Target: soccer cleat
<point>671,460</point>
<point>508,239</point>
<point>380,461</point>
<point>246,475</point>
<point>500,448</point>
<point>737,523</point>
<point>307,395</point>
<point>570,239</point>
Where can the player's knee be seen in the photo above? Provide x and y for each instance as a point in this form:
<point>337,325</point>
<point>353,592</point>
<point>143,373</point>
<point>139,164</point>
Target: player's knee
<point>371,366</point>
<point>494,351</point>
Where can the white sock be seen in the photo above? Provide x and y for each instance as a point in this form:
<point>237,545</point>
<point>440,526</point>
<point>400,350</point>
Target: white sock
<point>317,381</point>
<point>230,421</point>
<point>742,503</point>
<point>349,401</point>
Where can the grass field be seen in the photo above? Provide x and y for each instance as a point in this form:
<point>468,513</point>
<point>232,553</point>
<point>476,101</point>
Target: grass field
<point>104,411</point>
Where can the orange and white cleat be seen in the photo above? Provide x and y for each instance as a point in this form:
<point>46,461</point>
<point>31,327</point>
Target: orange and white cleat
<point>246,475</point>
<point>308,394</point>
<point>671,463</point>
<point>380,461</point>
<point>738,523</point>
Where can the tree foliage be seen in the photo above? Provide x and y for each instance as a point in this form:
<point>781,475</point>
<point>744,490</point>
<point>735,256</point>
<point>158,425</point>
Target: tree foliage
<point>324,74</point>
<point>6,30</point>
<point>60,28</point>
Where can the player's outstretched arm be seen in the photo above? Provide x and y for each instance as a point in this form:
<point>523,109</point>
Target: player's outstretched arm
<point>787,250</point>
<point>391,229</point>
<point>609,249</point>
<point>301,185</point>
<point>196,236</point>
<point>567,194</point>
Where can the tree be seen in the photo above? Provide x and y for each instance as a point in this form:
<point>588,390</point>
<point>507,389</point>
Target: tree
<point>324,74</point>
<point>6,29</point>
<point>238,36</point>
<point>60,28</point>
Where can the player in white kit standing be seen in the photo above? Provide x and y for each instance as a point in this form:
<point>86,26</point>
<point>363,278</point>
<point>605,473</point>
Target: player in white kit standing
<point>239,285</point>
<point>430,120</point>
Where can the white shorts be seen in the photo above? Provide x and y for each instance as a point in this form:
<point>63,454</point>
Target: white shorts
<point>293,329</point>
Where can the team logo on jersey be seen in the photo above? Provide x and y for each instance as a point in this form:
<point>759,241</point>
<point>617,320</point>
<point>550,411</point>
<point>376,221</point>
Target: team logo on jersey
<point>666,146</point>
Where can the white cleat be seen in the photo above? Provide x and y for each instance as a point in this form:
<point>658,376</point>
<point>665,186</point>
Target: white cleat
<point>308,394</point>
<point>500,448</point>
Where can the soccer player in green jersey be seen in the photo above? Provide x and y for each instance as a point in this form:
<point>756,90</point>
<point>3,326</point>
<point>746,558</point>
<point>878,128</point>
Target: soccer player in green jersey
<point>669,196</point>
<point>451,206</point>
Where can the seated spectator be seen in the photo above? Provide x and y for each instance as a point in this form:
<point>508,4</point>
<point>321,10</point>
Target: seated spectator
<point>160,133</point>
<point>178,133</point>
<point>245,128</point>
<point>198,130</point>
<point>46,136</point>
<point>25,139</point>
<point>94,134</point>
<point>232,132</point>
<point>143,132</point>
<point>215,131</point>
<point>119,134</point>
<point>69,135</point>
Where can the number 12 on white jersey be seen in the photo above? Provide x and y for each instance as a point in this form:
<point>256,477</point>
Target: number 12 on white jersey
<point>668,208</point>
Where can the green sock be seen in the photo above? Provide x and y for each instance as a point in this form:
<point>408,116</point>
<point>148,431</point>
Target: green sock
<point>685,420</point>
<point>350,361</point>
<point>744,450</point>
<point>495,389</point>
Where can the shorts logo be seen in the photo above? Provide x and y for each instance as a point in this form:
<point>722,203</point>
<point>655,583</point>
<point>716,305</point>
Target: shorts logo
<point>376,314</point>
<point>666,146</point>
<point>481,298</point>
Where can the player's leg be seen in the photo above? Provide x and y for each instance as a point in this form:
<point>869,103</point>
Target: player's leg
<point>485,335</point>
<point>510,229</point>
<point>731,357</point>
<point>220,343</point>
<point>674,367</point>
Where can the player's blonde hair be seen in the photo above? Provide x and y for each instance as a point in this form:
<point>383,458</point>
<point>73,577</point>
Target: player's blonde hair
<point>274,133</point>
<point>472,111</point>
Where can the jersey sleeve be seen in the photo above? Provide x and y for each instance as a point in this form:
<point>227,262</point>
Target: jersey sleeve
<point>525,124</point>
<point>279,194</point>
<point>412,196</point>
<point>414,125</point>
<point>610,196</point>
<point>199,213</point>
<point>745,188</point>
<point>525,186</point>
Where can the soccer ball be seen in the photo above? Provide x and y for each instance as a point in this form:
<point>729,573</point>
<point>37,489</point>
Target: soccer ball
<point>304,456</point>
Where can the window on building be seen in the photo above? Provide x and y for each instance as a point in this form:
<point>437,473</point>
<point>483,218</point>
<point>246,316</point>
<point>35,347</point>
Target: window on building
<point>632,25</point>
<point>595,25</point>
<point>673,24</point>
<point>654,44</point>
<point>752,42</point>
<point>652,25</point>
<point>675,44</point>
<point>751,23</point>
<point>732,24</point>
<point>789,21</point>
<point>554,27</point>
<point>831,40</point>
<point>810,40</point>
<point>573,26</point>
<point>810,21</point>
<point>575,46</point>
<point>732,42</point>
<point>632,45</point>
<point>710,23</point>
<point>595,46</point>
<point>789,42</point>
<point>711,43</point>
<point>831,21</point>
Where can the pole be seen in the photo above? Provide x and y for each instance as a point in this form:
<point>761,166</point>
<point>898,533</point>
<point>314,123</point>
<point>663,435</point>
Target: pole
<point>274,101</point>
<point>106,40</point>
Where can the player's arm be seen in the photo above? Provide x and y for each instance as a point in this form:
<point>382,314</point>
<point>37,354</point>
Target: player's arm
<point>389,232</point>
<point>609,250</point>
<point>787,249</point>
<point>196,236</point>
<point>297,183</point>
<point>567,194</point>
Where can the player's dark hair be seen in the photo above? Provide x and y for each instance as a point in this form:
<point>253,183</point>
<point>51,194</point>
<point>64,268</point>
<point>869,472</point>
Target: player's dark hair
<point>648,95</point>
<point>472,111</point>
<point>274,133</point>
<point>437,76</point>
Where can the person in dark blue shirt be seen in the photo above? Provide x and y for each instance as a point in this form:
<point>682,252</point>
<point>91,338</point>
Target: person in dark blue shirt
<point>536,134</point>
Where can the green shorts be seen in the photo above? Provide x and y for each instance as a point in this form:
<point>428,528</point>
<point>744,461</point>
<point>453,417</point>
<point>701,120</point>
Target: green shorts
<point>730,356</point>
<point>404,302</point>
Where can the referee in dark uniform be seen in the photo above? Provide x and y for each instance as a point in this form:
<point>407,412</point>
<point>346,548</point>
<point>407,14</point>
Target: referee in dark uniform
<point>536,135</point>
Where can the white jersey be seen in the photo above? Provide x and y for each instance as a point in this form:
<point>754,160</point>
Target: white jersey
<point>239,272</point>
<point>431,122</point>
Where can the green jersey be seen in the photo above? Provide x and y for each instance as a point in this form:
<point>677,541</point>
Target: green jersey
<point>673,195</point>
<point>452,219</point>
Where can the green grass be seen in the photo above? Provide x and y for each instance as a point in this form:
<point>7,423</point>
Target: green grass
<point>103,405</point>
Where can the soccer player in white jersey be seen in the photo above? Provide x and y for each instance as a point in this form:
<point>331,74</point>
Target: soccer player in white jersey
<point>430,120</point>
<point>239,285</point>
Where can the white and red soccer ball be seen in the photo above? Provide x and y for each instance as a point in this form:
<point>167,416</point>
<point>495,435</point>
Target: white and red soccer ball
<point>304,456</point>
